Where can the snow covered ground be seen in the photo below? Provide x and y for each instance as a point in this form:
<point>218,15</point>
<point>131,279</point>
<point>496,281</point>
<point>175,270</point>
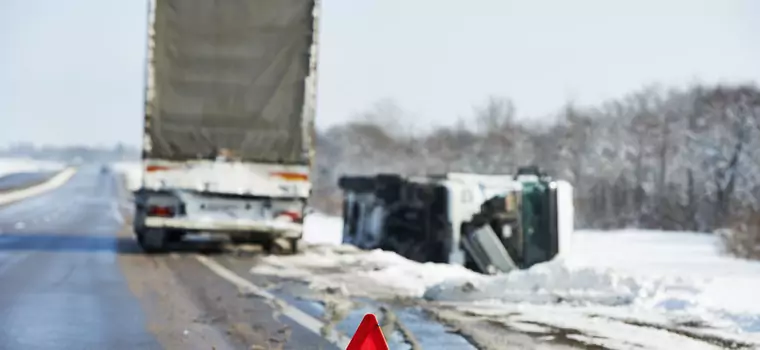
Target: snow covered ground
<point>22,165</point>
<point>617,289</point>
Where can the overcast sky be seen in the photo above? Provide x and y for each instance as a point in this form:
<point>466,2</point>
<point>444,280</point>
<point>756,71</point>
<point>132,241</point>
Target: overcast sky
<point>72,71</point>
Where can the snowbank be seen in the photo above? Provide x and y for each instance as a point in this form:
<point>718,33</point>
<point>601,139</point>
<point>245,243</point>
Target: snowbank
<point>21,165</point>
<point>673,274</point>
<point>380,273</point>
<point>355,272</point>
<point>557,282</point>
<point>132,172</point>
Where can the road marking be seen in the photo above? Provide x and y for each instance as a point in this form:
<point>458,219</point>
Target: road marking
<point>116,213</point>
<point>307,321</point>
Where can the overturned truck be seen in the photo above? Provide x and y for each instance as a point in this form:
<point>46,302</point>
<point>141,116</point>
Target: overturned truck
<point>488,223</point>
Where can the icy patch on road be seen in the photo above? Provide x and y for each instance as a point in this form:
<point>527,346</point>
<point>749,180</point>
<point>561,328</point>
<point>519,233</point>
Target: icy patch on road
<point>25,165</point>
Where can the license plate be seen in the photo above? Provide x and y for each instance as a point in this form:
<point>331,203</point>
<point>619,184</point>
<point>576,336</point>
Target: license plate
<point>221,207</point>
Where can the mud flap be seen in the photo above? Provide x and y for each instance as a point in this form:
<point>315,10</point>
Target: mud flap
<point>565,217</point>
<point>558,219</point>
<point>487,251</point>
<point>152,240</point>
<point>550,220</point>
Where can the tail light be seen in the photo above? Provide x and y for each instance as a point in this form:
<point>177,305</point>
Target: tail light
<point>154,168</point>
<point>290,176</point>
<point>289,215</point>
<point>164,212</point>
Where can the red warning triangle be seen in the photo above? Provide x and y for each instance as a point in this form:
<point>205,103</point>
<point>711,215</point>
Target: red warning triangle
<point>368,336</point>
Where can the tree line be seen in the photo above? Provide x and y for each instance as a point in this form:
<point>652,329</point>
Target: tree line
<point>658,158</point>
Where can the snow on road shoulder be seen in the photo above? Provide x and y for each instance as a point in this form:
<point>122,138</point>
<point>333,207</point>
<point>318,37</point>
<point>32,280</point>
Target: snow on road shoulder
<point>662,279</point>
<point>21,165</point>
<point>354,272</point>
<point>328,265</point>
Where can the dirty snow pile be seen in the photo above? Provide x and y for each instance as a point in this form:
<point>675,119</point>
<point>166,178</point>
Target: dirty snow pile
<point>330,266</point>
<point>350,271</point>
<point>26,165</point>
<point>132,172</point>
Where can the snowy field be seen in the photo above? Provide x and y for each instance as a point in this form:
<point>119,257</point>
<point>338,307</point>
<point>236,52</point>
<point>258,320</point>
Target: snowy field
<point>23,165</point>
<point>617,289</point>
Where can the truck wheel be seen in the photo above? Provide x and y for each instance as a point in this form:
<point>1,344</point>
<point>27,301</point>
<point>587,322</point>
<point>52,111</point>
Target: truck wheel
<point>439,253</point>
<point>469,263</point>
<point>294,245</point>
<point>268,246</point>
<point>239,240</point>
<point>152,241</point>
<point>174,236</point>
<point>281,246</point>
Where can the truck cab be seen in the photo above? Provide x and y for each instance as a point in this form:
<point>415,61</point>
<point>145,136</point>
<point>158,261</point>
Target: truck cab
<point>488,223</point>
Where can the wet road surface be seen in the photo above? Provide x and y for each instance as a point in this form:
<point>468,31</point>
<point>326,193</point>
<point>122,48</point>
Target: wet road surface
<point>61,284</point>
<point>21,180</point>
<point>72,277</point>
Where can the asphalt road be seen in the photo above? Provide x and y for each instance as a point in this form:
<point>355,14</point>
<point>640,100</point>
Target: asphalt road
<point>73,278</point>
<point>62,286</point>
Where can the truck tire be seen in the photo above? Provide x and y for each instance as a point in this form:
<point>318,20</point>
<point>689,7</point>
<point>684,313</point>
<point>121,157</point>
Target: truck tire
<point>174,236</point>
<point>152,242</point>
<point>470,264</point>
<point>281,246</point>
<point>239,240</point>
<point>294,245</point>
<point>268,246</point>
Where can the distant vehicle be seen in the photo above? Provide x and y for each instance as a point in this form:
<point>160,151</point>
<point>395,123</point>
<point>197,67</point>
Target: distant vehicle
<point>488,223</point>
<point>104,169</point>
<point>229,121</point>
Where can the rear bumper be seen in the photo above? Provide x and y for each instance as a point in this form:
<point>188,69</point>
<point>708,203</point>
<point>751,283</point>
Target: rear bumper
<point>276,229</point>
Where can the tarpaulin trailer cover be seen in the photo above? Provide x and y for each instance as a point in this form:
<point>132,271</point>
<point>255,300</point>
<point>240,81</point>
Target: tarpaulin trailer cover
<point>235,76</point>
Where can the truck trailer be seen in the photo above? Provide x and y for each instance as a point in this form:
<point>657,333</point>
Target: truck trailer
<point>488,223</point>
<point>229,120</point>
